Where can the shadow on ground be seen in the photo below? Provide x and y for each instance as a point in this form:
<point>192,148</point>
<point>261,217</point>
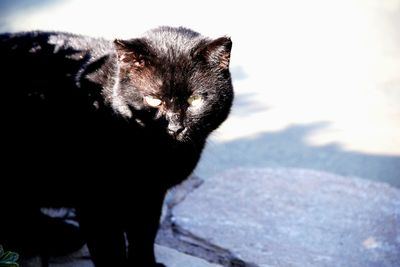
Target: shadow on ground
<point>289,148</point>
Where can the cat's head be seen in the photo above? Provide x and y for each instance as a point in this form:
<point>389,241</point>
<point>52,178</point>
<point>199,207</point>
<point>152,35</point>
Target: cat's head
<point>175,80</point>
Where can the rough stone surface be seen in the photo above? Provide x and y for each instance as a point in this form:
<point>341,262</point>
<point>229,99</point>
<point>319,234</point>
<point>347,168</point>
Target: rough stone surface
<point>168,256</point>
<point>80,258</point>
<point>294,217</point>
<point>73,263</point>
<point>173,258</point>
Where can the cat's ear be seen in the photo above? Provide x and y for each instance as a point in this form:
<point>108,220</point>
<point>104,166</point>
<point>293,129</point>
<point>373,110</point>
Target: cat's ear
<point>218,52</point>
<point>132,52</point>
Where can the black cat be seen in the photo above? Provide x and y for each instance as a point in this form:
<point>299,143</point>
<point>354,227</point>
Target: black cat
<point>104,127</point>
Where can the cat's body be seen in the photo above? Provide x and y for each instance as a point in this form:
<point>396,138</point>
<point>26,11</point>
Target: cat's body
<point>104,127</point>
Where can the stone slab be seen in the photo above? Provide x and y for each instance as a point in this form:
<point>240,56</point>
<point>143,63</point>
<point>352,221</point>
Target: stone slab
<point>174,258</point>
<point>294,217</point>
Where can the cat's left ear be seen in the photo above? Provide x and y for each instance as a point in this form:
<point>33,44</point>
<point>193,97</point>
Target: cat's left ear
<point>218,52</point>
<point>132,51</point>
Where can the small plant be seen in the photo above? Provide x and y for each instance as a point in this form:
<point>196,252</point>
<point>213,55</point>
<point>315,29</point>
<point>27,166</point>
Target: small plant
<point>8,258</point>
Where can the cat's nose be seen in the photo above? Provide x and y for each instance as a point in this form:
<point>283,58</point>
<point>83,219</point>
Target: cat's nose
<point>175,129</point>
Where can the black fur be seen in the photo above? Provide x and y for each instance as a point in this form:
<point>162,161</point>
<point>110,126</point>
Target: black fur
<point>77,132</point>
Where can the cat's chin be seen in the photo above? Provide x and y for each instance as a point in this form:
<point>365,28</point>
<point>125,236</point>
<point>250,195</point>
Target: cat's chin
<point>182,137</point>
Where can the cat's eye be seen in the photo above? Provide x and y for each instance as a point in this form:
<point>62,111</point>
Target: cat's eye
<point>152,101</point>
<point>195,101</point>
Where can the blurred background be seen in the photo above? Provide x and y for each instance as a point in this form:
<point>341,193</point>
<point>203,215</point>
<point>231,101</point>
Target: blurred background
<point>317,82</point>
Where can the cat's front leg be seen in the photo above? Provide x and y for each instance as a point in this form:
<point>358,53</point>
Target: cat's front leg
<point>104,234</point>
<point>142,226</point>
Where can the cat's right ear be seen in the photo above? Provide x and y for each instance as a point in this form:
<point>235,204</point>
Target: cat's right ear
<point>217,52</point>
<point>132,52</point>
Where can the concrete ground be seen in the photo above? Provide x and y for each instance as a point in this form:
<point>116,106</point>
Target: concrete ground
<point>317,82</point>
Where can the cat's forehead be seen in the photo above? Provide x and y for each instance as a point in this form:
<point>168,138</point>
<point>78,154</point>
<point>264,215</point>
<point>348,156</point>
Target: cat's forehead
<point>168,78</point>
<point>176,83</point>
<point>174,74</point>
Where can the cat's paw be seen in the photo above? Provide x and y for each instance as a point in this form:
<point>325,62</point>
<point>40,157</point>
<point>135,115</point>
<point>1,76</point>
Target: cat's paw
<point>59,238</point>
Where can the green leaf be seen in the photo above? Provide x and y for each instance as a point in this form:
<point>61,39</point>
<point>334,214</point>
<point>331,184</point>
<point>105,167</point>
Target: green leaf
<point>8,258</point>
